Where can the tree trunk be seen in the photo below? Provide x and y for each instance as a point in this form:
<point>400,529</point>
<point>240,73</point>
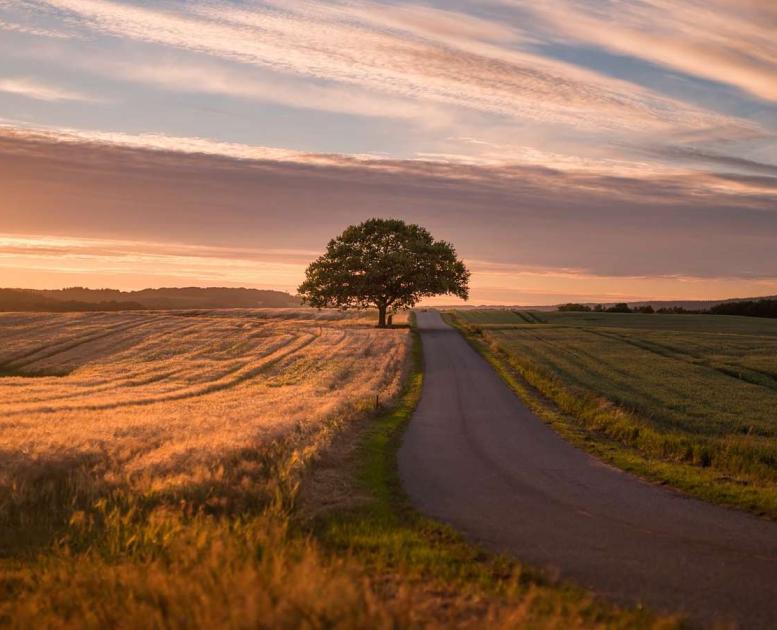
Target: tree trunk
<point>381,316</point>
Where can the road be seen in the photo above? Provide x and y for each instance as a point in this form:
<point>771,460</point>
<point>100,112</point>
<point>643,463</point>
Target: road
<point>475,457</point>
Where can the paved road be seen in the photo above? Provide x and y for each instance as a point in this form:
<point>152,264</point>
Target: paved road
<point>475,457</point>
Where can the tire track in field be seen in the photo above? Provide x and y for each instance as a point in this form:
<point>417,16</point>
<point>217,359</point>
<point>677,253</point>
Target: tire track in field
<point>14,364</point>
<point>668,352</point>
<point>584,359</point>
<point>131,380</point>
<point>195,393</point>
<point>56,347</point>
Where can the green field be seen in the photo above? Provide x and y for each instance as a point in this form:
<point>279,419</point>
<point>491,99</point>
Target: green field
<point>693,390</point>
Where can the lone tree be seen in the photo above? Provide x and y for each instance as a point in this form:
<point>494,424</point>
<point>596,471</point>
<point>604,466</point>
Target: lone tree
<point>383,263</point>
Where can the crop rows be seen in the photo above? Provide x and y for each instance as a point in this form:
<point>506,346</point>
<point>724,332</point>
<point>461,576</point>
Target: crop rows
<point>166,396</point>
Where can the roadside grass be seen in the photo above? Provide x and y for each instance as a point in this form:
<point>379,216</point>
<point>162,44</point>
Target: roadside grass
<point>233,550</point>
<point>683,403</point>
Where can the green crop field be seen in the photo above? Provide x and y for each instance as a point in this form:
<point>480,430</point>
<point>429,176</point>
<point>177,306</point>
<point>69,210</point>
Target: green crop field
<point>695,390</point>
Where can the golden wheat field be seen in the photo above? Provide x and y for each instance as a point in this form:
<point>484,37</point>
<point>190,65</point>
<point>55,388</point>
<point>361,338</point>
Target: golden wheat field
<point>160,398</point>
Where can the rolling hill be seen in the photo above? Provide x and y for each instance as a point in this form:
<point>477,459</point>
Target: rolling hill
<point>82,299</point>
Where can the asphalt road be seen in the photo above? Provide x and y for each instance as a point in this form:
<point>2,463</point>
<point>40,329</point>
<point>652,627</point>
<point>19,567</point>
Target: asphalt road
<point>475,457</point>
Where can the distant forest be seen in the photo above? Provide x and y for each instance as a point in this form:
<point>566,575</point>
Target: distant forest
<point>81,299</point>
<point>764,307</point>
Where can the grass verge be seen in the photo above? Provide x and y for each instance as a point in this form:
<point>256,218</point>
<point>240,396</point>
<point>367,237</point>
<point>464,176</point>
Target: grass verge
<point>613,434</point>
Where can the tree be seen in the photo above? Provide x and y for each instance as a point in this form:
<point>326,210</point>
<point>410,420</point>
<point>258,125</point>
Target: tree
<point>766,307</point>
<point>574,307</point>
<point>383,263</point>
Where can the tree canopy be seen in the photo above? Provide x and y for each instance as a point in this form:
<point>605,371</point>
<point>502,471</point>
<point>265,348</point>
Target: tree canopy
<point>384,263</point>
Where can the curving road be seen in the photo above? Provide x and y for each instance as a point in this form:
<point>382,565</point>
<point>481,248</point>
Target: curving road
<point>475,457</point>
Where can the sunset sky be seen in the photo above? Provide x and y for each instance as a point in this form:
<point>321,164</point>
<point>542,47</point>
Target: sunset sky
<point>588,150</point>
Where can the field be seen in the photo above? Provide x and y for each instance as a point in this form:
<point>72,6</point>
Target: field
<point>124,433</point>
<point>232,468</point>
<point>160,402</point>
<point>693,391</point>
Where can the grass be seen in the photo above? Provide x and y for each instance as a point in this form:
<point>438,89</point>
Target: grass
<point>685,400</point>
<point>230,540</point>
<point>157,401</point>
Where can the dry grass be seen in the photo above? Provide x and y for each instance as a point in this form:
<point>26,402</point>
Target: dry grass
<point>158,402</point>
<point>163,396</point>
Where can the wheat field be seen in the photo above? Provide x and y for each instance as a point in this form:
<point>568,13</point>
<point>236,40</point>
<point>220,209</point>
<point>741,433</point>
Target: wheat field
<point>156,400</point>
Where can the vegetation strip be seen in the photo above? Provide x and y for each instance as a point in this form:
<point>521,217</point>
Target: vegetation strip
<point>695,464</point>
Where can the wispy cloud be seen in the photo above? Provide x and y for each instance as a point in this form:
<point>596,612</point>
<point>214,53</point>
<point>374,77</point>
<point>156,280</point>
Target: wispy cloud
<point>30,88</point>
<point>15,27</point>
<point>696,155</point>
<point>266,87</point>
<point>729,41</point>
<point>328,42</point>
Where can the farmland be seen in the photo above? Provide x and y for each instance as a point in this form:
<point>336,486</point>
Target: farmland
<point>686,399</point>
<point>148,458</point>
<point>150,474</point>
<point>158,400</point>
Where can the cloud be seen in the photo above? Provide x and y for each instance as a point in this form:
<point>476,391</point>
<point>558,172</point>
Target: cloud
<point>31,88</point>
<point>15,27</point>
<point>675,224</point>
<point>501,170</point>
<point>693,154</point>
<point>455,63</point>
<point>539,170</point>
<point>723,40</point>
<point>417,21</point>
<point>266,87</point>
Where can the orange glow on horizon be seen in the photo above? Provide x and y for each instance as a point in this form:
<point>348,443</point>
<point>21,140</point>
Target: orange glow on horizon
<point>52,262</point>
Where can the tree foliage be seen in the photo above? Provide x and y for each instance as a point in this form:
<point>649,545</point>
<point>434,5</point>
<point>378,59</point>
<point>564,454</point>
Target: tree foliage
<point>574,307</point>
<point>766,307</point>
<point>384,263</point>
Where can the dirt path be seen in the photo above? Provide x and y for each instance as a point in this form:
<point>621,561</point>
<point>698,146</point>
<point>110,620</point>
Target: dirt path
<point>475,457</point>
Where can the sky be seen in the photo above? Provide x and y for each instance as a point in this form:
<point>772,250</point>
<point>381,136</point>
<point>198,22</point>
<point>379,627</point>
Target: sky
<point>571,150</point>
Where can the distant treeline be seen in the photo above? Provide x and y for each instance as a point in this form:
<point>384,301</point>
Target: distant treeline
<point>15,300</point>
<point>81,299</point>
<point>621,307</point>
<point>748,308</point>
